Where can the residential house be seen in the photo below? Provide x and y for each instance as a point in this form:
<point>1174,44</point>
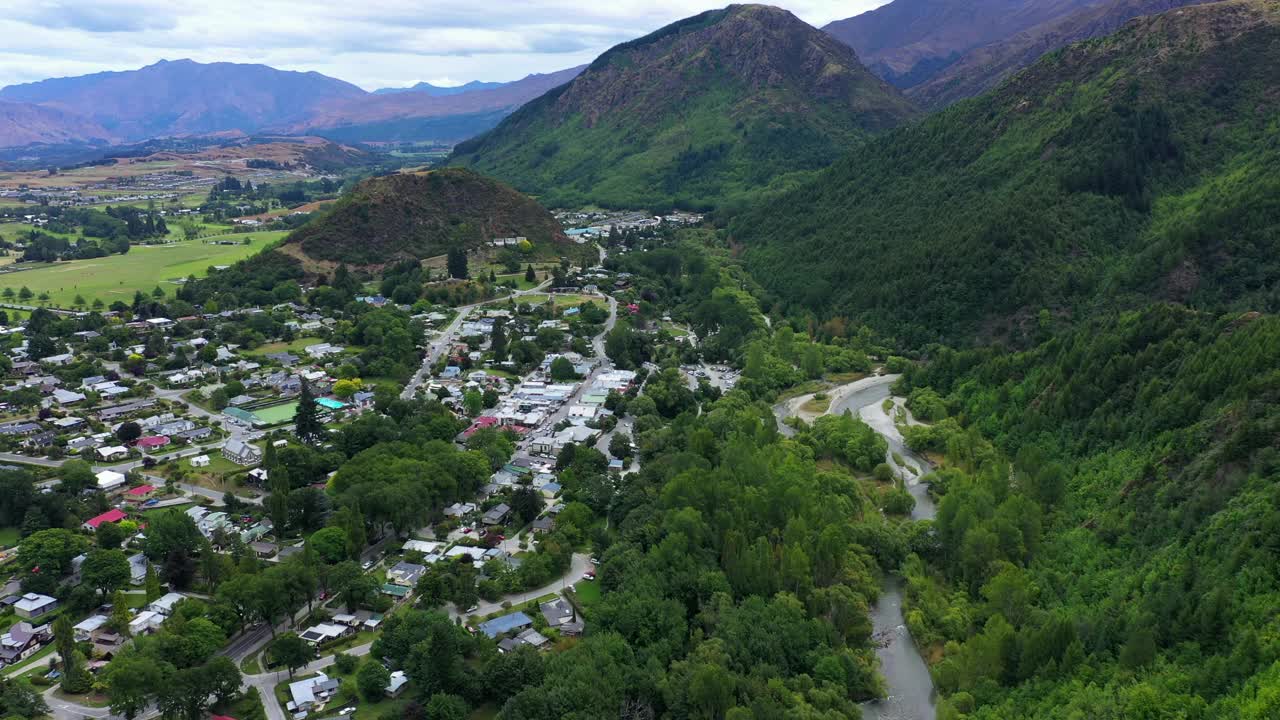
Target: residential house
<point>152,442</point>
<point>200,461</point>
<point>137,569</point>
<point>113,515</point>
<point>139,494</point>
<point>21,642</point>
<point>561,615</point>
<point>325,632</point>
<point>397,684</point>
<point>67,397</point>
<point>505,624</point>
<point>263,550</point>
<point>34,605</point>
<point>310,693</point>
<point>406,574</point>
<point>165,603</point>
<point>86,630</point>
<point>496,515</point>
<point>112,452</point>
<point>145,622</point>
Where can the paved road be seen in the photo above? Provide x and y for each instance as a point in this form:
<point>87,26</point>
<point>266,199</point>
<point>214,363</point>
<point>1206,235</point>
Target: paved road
<point>442,341</point>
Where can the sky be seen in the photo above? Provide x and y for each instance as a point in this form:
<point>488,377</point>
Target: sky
<point>376,43</point>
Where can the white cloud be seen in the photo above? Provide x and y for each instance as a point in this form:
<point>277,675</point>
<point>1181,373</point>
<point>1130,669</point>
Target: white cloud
<point>384,43</point>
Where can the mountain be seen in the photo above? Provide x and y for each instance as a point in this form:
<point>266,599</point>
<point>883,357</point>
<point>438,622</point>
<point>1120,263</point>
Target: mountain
<point>442,91</point>
<point>24,124</point>
<point>704,110</point>
<point>420,215</point>
<point>1111,173</point>
<point>909,41</point>
<point>422,116</point>
<point>185,97</point>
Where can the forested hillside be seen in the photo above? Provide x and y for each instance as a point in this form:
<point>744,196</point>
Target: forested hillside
<point>1134,167</point>
<point>705,110</point>
<point>1146,447</point>
<point>418,215</point>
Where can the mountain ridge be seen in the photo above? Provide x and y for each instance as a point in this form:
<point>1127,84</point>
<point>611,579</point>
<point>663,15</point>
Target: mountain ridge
<point>714,105</point>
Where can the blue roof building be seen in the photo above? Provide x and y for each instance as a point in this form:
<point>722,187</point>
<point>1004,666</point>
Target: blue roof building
<point>505,624</point>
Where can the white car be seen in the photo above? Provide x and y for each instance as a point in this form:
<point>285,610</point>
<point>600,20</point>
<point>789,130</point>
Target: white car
<point>367,565</point>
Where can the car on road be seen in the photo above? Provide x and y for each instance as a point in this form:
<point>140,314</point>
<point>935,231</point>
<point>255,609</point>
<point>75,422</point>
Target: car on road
<point>589,575</point>
<point>150,502</point>
<point>472,609</point>
<point>366,565</point>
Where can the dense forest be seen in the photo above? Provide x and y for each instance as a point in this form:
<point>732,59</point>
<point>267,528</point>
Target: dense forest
<point>1144,447</point>
<point>1134,167</point>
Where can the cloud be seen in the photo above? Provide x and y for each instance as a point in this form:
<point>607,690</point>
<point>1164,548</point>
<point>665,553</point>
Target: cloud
<point>387,42</point>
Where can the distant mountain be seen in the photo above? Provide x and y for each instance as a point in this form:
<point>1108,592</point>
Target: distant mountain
<point>424,116</point>
<point>442,90</point>
<point>420,215</point>
<point>705,110</point>
<point>909,41</point>
<point>24,124</point>
<point>185,97</point>
<point>1114,172</point>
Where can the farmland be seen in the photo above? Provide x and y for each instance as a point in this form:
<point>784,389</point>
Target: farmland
<point>117,277</point>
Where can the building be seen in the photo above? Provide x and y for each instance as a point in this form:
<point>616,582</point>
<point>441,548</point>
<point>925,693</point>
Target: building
<point>142,493</point>
<point>21,642</point>
<point>325,632</point>
<point>560,615</point>
<point>310,693</point>
<point>396,686</point>
<point>242,453</point>
<point>406,574</point>
<point>112,452</point>
<point>89,628</point>
<point>200,461</point>
<point>137,569</point>
<point>496,515</point>
<point>34,605</point>
<point>145,622</point>
<point>512,622</point>
<point>164,604</point>
<point>113,515</point>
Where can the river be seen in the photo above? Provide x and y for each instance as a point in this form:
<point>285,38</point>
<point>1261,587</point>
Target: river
<point>909,687</point>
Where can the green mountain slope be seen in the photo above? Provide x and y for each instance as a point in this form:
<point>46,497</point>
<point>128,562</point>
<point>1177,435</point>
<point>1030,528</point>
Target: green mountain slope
<point>707,109</point>
<point>1115,171</point>
<point>419,215</point>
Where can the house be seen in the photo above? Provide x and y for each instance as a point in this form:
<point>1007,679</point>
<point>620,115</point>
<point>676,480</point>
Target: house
<point>137,569</point>
<point>325,632</point>
<point>562,616</point>
<point>152,442</point>
<point>396,686</point>
<point>113,515</point>
<point>142,493</point>
<point>310,692</point>
<point>67,397</point>
<point>529,637</point>
<point>145,622</point>
<point>396,591</point>
<point>496,515</point>
<point>113,452</point>
<point>406,574</point>
<point>550,490</point>
<point>200,461</point>
<point>194,435</point>
<point>512,622</point>
<point>86,630</point>
<point>263,550</point>
<point>165,603</point>
<point>21,642</point>
<point>543,525</point>
<point>34,605</point>
<point>242,453</point>
<point>426,547</point>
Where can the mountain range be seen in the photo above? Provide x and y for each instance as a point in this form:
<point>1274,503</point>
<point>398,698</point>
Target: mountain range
<point>1122,170</point>
<point>704,110</point>
<point>442,90</point>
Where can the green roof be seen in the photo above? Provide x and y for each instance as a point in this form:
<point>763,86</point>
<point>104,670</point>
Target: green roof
<point>396,590</point>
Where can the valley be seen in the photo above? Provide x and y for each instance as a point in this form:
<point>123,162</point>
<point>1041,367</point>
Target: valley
<point>764,363</point>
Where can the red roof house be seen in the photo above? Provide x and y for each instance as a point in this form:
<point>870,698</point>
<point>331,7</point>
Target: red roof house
<point>152,442</point>
<point>140,493</point>
<point>111,516</point>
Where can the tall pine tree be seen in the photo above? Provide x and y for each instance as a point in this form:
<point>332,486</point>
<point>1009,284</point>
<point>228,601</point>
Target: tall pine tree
<point>306,420</point>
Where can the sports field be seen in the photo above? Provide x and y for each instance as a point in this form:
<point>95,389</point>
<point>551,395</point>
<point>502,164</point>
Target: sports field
<point>117,277</point>
<point>276,414</point>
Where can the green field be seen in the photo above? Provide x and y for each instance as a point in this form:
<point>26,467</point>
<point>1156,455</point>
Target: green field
<point>296,346</point>
<point>276,414</point>
<point>144,267</point>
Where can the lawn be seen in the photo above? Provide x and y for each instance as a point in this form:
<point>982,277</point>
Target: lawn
<point>9,536</point>
<point>118,277</point>
<point>296,347</point>
<point>276,414</point>
<point>587,594</point>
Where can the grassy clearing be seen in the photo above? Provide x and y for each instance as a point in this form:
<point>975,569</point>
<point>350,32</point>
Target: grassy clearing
<point>118,277</point>
<point>820,403</point>
<point>252,665</point>
<point>296,347</point>
<point>9,536</point>
<point>588,594</point>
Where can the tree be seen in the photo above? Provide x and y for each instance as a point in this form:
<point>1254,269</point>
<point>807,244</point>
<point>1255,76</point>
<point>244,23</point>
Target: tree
<point>329,544</point>
<point>75,679</point>
<point>526,503</point>
<point>151,584</point>
<point>346,388</point>
<point>171,531</point>
<point>291,651</point>
<point>109,535</point>
<point>620,445</point>
<point>306,419</point>
<point>119,613</point>
<point>218,399</point>
<point>131,682</point>
<point>77,476</point>
<point>443,706</point>
<point>45,556</point>
<point>562,369</point>
<point>129,432</point>
<point>530,275</point>
<point>456,263</point>
<point>106,571</point>
<point>373,679</point>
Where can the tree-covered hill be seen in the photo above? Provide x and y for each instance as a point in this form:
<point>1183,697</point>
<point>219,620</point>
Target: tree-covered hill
<point>1147,445</point>
<point>419,215</point>
<point>707,109</point>
<point>1134,167</point>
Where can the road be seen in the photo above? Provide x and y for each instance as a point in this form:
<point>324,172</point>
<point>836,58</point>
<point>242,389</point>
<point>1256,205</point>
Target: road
<point>436,347</point>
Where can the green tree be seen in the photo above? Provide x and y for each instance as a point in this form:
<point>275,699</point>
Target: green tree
<point>151,584</point>
<point>562,370</point>
<point>131,681</point>
<point>442,706</point>
<point>329,544</point>
<point>106,571</point>
<point>529,274</point>
<point>291,651</point>
<point>373,679</point>
<point>456,263</point>
<point>306,419</point>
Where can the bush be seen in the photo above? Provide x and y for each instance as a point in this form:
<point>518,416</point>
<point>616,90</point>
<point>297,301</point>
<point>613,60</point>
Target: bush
<point>346,664</point>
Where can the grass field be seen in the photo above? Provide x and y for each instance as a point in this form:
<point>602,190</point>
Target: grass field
<point>144,267</point>
<point>9,536</point>
<point>276,414</point>
<point>296,347</point>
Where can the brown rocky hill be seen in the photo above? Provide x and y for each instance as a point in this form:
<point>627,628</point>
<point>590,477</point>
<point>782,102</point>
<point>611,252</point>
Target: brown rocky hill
<point>420,215</point>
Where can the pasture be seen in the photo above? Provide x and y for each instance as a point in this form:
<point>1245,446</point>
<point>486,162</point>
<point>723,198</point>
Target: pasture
<point>117,277</point>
